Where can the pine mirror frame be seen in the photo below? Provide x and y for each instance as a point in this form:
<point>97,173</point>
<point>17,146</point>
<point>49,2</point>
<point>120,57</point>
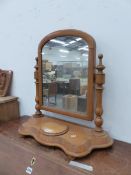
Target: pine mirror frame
<point>75,140</point>
<point>91,74</point>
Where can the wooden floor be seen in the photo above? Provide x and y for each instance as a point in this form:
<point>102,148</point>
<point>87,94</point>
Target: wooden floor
<point>16,153</point>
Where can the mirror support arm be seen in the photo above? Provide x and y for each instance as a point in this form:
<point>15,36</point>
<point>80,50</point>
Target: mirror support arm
<point>99,80</point>
<point>38,113</point>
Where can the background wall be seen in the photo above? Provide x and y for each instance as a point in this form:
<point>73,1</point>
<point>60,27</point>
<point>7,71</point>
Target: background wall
<point>24,23</point>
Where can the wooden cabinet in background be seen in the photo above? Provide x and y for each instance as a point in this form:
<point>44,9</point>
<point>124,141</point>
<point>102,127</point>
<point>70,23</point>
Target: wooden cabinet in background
<point>9,108</point>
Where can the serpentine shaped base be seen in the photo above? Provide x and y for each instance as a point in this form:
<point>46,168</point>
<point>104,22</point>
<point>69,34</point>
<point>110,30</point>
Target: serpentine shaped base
<point>78,141</point>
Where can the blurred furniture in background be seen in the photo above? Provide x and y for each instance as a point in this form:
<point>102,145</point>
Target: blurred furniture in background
<point>74,86</point>
<point>9,108</point>
<point>5,82</point>
<point>63,87</point>
<point>51,91</point>
<point>83,90</point>
<point>82,103</point>
<point>9,105</point>
<point>70,102</point>
<point>47,66</point>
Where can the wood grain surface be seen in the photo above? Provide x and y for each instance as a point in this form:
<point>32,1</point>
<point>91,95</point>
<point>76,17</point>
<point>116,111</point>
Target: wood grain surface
<point>78,141</point>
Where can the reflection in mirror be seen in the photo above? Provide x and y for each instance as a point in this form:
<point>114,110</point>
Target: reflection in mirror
<point>64,70</point>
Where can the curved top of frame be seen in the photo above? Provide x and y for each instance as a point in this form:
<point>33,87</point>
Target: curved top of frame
<point>70,32</point>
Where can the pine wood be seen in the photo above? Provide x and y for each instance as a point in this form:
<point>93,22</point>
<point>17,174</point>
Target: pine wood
<point>100,80</point>
<point>37,106</point>
<point>16,153</point>
<point>53,128</point>
<point>77,141</point>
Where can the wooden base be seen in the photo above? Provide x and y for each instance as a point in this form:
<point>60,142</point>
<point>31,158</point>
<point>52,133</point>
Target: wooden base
<point>16,150</point>
<point>78,141</point>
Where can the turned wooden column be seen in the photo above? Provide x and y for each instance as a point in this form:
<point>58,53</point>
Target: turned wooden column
<point>100,80</point>
<point>37,106</point>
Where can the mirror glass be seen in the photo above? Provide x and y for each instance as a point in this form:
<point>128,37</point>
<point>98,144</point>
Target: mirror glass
<point>65,74</point>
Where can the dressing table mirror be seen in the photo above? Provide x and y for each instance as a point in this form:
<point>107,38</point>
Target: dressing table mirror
<point>69,83</point>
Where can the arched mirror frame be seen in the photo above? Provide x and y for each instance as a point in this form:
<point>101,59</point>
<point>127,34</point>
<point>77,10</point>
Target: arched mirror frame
<point>91,74</point>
